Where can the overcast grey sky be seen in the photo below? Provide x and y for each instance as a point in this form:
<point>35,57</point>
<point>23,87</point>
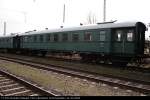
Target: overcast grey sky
<point>24,15</point>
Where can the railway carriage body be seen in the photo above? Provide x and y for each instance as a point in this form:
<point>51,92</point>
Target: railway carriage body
<point>118,42</point>
<point>115,41</point>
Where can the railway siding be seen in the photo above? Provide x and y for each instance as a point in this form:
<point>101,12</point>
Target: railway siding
<point>67,85</point>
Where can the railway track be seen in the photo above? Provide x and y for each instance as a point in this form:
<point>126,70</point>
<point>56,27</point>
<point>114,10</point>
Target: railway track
<point>125,83</point>
<point>10,85</point>
<point>129,67</point>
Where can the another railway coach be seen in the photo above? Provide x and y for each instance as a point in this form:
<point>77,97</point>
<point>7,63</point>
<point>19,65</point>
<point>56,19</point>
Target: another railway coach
<point>10,43</point>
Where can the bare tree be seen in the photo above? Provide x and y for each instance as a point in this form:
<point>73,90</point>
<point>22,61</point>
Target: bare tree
<point>91,18</point>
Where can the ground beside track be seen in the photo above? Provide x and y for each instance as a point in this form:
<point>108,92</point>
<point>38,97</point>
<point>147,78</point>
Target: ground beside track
<point>66,85</point>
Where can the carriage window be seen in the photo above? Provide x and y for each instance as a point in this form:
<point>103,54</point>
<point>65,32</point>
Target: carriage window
<point>130,35</point>
<point>41,38</point>
<point>102,35</point>
<point>32,37</point>
<point>4,40</point>
<point>87,36</point>
<point>29,38</point>
<point>11,40</point>
<point>7,40</point>
<point>25,39</point>
<point>75,37</point>
<point>118,35</point>
<point>65,37</point>
<point>35,38</point>
<point>55,37</point>
<point>48,37</point>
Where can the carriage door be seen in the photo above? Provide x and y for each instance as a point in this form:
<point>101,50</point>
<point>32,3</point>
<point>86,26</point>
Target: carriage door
<point>119,41</point>
<point>16,42</point>
<point>124,41</point>
<point>118,45</point>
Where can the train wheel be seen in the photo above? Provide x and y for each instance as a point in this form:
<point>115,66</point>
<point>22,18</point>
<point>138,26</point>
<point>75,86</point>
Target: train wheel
<point>120,64</point>
<point>43,53</point>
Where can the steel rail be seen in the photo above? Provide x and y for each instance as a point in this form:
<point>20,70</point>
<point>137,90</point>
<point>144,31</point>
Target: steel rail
<point>29,85</point>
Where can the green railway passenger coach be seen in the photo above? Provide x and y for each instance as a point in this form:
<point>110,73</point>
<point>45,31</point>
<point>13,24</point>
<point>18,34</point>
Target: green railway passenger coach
<point>115,42</point>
